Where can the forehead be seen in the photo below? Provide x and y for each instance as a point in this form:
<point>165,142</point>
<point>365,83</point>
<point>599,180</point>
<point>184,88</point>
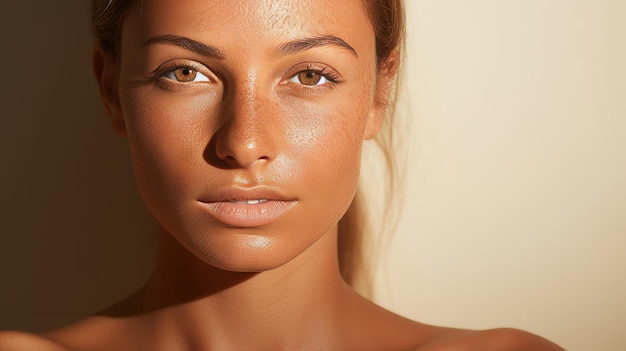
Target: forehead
<point>252,23</point>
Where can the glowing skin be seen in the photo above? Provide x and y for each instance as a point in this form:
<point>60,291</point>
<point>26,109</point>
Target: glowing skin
<point>258,117</point>
<point>245,121</point>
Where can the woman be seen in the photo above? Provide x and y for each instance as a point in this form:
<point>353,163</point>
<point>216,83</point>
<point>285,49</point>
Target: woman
<point>245,122</point>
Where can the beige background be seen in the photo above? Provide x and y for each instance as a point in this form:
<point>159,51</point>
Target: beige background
<point>515,209</point>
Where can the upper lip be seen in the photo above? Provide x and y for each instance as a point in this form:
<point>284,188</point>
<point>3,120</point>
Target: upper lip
<point>239,194</point>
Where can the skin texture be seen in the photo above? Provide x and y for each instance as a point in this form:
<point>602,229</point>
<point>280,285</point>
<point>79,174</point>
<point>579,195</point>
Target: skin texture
<point>247,128</point>
<point>250,125</point>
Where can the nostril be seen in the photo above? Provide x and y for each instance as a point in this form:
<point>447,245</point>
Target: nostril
<point>244,160</point>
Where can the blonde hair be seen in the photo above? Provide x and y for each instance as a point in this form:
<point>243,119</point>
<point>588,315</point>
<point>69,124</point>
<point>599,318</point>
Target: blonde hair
<point>387,19</point>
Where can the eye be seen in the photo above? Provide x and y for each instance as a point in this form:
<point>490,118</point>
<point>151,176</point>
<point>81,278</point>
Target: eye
<point>309,77</point>
<point>185,75</point>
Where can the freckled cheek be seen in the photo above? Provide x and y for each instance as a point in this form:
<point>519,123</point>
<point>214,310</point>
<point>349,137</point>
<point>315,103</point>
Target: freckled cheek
<point>325,149</point>
<point>167,136</point>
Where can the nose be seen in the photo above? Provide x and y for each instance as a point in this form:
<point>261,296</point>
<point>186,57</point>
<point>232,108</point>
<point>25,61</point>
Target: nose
<point>247,137</point>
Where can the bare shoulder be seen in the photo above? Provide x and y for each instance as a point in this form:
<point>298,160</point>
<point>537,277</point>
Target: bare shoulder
<point>387,330</point>
<point>501,339</point>
<point>92,333</point>
<point>20,341</point>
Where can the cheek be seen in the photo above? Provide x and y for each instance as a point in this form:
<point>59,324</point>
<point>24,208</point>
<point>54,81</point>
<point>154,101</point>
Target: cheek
<point>326,143</point>
<point>167,136</point>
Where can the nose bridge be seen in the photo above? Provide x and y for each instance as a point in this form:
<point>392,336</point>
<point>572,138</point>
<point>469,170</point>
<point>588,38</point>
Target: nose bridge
<point>245,139</point>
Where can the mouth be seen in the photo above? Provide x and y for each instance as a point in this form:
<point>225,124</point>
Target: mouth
<point>250,202</point>
<point>241,208</point>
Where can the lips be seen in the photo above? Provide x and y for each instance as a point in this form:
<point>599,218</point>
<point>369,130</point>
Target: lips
<point>251,202</point>
<point>246,208</point>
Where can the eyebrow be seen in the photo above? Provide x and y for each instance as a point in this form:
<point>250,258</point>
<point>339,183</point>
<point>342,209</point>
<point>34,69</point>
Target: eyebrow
<point>186,43</point>
<point>289,48</point>
<point>304,44</point>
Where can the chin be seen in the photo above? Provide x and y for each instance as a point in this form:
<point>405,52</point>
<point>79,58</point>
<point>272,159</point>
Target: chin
<point>237,250</point>
<point>247,253</point>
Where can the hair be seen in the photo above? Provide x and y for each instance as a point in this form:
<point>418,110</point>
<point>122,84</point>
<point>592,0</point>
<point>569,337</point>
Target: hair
<point>387,19</point>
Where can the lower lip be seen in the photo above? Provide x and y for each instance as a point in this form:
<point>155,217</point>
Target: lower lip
<point>243,215</point>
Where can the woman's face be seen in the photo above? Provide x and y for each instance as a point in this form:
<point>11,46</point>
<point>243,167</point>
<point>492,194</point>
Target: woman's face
<point>245,120</point>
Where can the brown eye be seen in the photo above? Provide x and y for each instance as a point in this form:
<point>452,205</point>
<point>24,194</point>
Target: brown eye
<point>309,77</point>
<point>185,75</point>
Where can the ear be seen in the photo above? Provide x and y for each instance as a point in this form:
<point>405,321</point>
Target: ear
<point>105,68</point>
<point>385,79</point>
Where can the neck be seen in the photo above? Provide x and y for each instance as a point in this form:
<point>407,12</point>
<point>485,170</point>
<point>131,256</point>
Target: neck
<point>291,305</point>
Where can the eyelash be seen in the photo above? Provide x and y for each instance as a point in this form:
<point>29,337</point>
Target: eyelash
<point>171,75</point>
<point>324,71</point>
<point>160,74</point>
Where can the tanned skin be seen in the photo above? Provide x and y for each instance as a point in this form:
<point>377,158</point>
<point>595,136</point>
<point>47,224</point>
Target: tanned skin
<point>225,103</point>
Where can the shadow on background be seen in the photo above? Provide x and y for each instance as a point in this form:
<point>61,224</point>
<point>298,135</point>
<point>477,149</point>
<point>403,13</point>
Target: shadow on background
<point>75,235</point>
